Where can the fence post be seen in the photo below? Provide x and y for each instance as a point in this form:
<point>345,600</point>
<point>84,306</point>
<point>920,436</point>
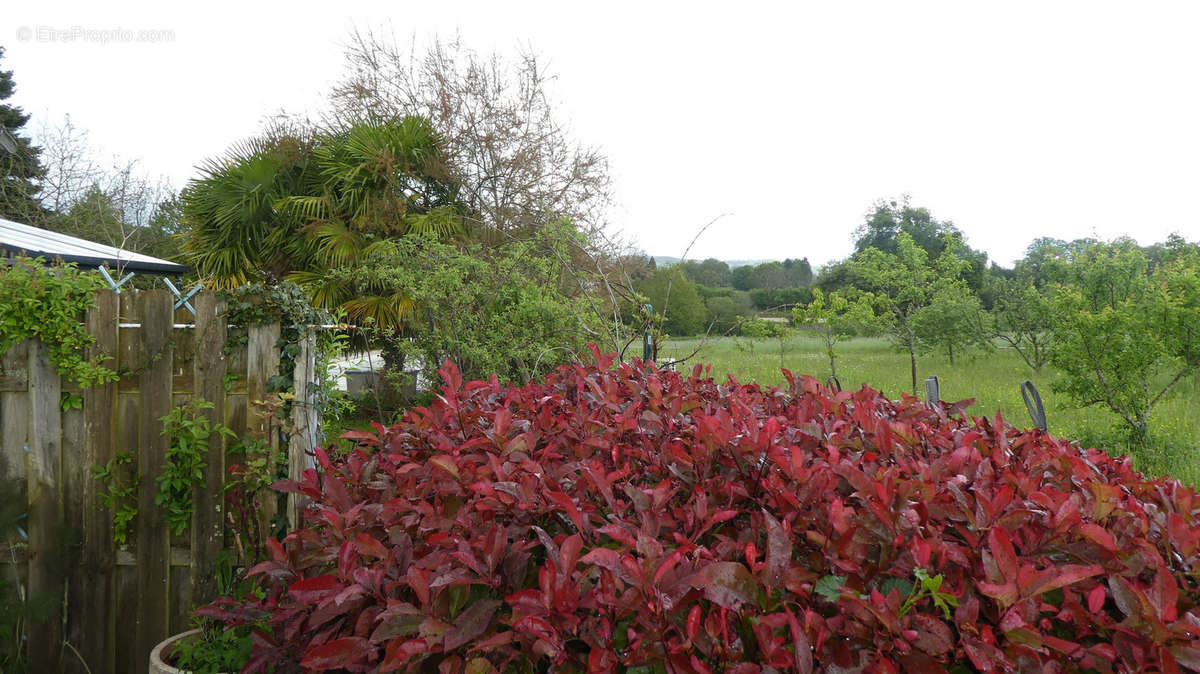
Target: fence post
<point>933,392</point>
<point>91,612</point>
<point>262,363</point>
<point>47,566</point>
<point>153,572</point>
<point>208,518</point>
<point>306,423</point>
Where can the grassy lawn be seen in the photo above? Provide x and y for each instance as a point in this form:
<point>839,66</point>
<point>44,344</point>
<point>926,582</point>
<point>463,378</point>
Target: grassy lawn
<point>992,379</point>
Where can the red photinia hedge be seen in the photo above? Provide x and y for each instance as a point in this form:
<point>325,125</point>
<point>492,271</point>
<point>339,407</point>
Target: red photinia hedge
<point>624,519</point>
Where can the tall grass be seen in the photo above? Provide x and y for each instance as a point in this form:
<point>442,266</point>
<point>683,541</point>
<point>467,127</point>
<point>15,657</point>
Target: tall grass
<point>991,378</point>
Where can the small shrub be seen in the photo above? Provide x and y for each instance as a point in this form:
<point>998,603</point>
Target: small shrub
<point>619,518</point>
<point>213,651</point>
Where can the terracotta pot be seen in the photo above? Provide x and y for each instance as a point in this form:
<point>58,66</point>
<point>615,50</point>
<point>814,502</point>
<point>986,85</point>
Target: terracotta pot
<point>162,653</point>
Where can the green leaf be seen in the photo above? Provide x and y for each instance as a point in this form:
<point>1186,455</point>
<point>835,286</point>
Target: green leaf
<point>830,587</point>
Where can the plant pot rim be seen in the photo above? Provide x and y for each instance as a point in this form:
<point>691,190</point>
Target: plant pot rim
<point>158,663</point>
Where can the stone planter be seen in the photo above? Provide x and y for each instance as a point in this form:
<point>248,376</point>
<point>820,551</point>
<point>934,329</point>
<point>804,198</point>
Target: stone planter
<point>162,653</point>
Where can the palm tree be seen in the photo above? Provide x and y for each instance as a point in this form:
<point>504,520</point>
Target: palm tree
<point>301,207</point>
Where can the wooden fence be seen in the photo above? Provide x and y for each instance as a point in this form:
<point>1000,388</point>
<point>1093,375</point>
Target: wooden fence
<point>120,603</point>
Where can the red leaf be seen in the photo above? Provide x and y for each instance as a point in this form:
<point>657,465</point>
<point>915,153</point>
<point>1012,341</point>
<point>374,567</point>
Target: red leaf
<point>347,560</point>
<point>1163,594</point>
<point>276,551</point>
<point>566,503</point>
<point>1098,535</point>
<point>1096,599</point>
<point>693,622</point>
<point>1064,575</point>
<point>1003,552</point>
<point>316,588</point>
<point>933,635</point>
<point>728,584</point>
<point>446,463</point>
<point>1188,656</point>
<point>779,552</point>
<point>364,437</point>
<point>367,545</point>
<point>337,654</point>
<point>471,623</point>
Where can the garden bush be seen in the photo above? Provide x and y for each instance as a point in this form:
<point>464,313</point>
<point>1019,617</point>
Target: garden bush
<point>622,518</point>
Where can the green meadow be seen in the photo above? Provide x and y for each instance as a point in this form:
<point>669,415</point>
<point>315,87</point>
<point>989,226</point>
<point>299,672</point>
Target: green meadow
<point>991,378</point>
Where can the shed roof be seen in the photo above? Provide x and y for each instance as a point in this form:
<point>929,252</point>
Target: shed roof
<point>19,239</point>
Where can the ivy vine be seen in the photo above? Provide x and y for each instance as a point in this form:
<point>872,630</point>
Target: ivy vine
<point>46,302</point>
<point>291,306</point>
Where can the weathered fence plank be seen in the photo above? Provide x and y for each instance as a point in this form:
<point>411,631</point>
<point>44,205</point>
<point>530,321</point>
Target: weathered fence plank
<point>208,522</point>
<point>154,386</point>
<point>119,603</point>
<point>262,363</point>
<point>14,415</point>
<point>306,424</point>
<point>90,625</point>
<point>46,554</point>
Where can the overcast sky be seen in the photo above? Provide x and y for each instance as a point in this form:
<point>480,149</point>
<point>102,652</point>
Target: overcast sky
<point>1014,120</point>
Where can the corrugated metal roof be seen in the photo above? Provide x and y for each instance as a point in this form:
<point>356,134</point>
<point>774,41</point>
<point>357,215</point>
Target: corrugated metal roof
<point>16,238</point>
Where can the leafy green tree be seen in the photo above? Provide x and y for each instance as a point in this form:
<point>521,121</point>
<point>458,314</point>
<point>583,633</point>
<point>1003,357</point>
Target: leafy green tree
<point>20,164</point>
<point>800,273</point>
<point>724,312</point>
<point>500,309</point>
<point>742,277</point>
<point>296,205</point>
<point>711,272</point>
<point>770,298</point>
<point>675,300</point>
<point>889,219</point>
<point>1126,332</point>
<point>836,276</point>
<point>953,319</point>
<point>836,317</point>
<point>902,284</point>
<point>1022,316</point>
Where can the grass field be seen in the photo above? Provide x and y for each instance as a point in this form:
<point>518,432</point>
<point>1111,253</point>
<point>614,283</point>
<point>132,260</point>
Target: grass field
<point>992,379</point>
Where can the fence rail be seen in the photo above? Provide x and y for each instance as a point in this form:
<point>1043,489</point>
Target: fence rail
<point>120,603</point>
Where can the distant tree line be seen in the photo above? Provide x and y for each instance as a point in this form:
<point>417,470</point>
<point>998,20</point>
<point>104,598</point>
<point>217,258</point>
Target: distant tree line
<point>1119,322</point>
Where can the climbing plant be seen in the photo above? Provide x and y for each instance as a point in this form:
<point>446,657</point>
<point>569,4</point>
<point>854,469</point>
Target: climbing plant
<point>47,302</point>
<point>190,432</point>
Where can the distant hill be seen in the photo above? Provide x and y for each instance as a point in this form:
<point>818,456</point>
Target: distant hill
<point>667,261</point>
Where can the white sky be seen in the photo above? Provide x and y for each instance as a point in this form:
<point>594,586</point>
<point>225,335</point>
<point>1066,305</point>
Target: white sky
<point>1014,120</point>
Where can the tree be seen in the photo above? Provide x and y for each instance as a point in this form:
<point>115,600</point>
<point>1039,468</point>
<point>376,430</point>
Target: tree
<point>836,317</point>
<point>724,312</point>
<point>711,272</point>
<point>516,164</point>
<point>107,201</point>
<point>800,273</point>
<point>1022,316</point>
<point>836,276</point>
<point>742,277</point>
<point>20,165</point>
<point>889,219</point>
<point>676,302</point>
<point>902,284</point>
<point>1125,332</point>
<point>953,319</point>
<point>295,204</point>
<point>499,309</point>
